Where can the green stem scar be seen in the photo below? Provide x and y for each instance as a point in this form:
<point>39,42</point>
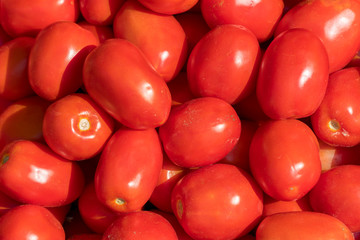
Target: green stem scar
<point>4,159</point>
<point>119,201</point>
<point>334,125</point>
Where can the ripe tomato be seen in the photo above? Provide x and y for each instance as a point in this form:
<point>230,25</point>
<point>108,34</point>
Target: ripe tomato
<point>334,22</point>
<point>30,170</point>
<point>128,169</point>
<point>99,12</point>
<point>284,159</point>
<point>55,67</point>
<point>169,7</point>
<point>139,226</point>
<point>200,132</point>
<point>159,36</point>
<point>302,225</point>
<point>224,63</point>
<point>76,128</point>
<point>219,201</point>
<point>120,79</point>
<point>336,120</point>
<point>14,82</point>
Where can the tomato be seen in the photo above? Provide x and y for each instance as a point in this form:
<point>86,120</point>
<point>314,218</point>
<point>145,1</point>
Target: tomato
<point>128,169</point>
<point>224,63</point>
<point>90,236</point>
<point>334,22</point>
<point>99,12</point>
<point>300,77</point>
<point>55,67</point>
<point>23,119</point>
<point>76,128</point>
<point>336,120</point>
<point>200,132</point>
<point>337,194</point>
<point>219,201</point>
<point>159,36</point>
<point>95,214</point>
<point>102,33</point>
<point>284,159</point>
<point>140,225</point>
<point>14,82</point>
<point>260,16</point>
<point>302,225</point>
<point>24,18</point>
<point>30,222</point>
<point>169,7</point>
<point>120,79</point>
<point>30,170</point>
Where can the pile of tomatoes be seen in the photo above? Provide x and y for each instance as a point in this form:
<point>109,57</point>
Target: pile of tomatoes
<point>179,119</point>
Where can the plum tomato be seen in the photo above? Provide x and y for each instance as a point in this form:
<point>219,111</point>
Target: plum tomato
<point>139,226</point>
<point>200,132</point>
<point>337,193</point>
<point>30,170</point>
<point>224,63</point>
<point>284,159</point>
<point>260,16</point>
<point>300,77</point>
<point>30,222</point>
<point>159,36</point>
<point>28,18</point>
<point>334,22</point>
<point>336,121</point>
<point>76,128</point>
<point>169,7</point>
<point>55,67</point>
<point>129,169</point>
<point>302,225</point>
<point>120,79</point>
<point>220,201</point>
<point>14,81</point>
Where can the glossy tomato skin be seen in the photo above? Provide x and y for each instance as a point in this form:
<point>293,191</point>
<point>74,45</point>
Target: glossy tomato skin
<point>119,78</point>
<point>159,36</point>
<point>302,225</point>
<point>14,82</point>
<point>76,128</point>
<point>337,194</point>
<point>219,201</point>
<point>170,7</point>
<point>24,18</point>
<point>224,63</point>
<point>55,67</point>
<point>336,120</point>
<point>300,77</point>
<point>140,225</point>
<point>30,221</point>
<point>260,17</point>
<point>284,159</point>
<point>129,169</point>
<point>334,22</point>
<point>39,172</point>
<point>200,132</point>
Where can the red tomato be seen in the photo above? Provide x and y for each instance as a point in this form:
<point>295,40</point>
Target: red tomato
<point>129,169</point>
<point>139,226</point>
<point>76,128</point>
<point>336,121</point>
<point>219,201</point>
<point>200,132</point>
<point>334,22</point>
<point>224,63</point>
<point>14,82</point>
<point>259,16</point>
<point>142,100</point>
<point>169,7</point>
<point>160,37</point>
<point>302,225</point>
<point>27,18</point>
<point>100,12</point>
<point>30,170</point>
<point>55,67</point>
<point>337,193</point>
<point>293,85</point>
<point>95,214</point>
<point>102,33</point>
<point>90,236</point>
<point>23,119</point>
<point>355,61</point>
<point>284,159</point>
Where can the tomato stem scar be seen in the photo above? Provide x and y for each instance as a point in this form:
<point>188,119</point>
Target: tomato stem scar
<point>84,124</point>
<point>4,159</point>
<point>179,208</point>
<point>119,201</point>
<point>334,125</point>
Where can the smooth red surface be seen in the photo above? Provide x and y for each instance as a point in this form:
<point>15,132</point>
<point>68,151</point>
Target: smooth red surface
<point>99,12</point>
